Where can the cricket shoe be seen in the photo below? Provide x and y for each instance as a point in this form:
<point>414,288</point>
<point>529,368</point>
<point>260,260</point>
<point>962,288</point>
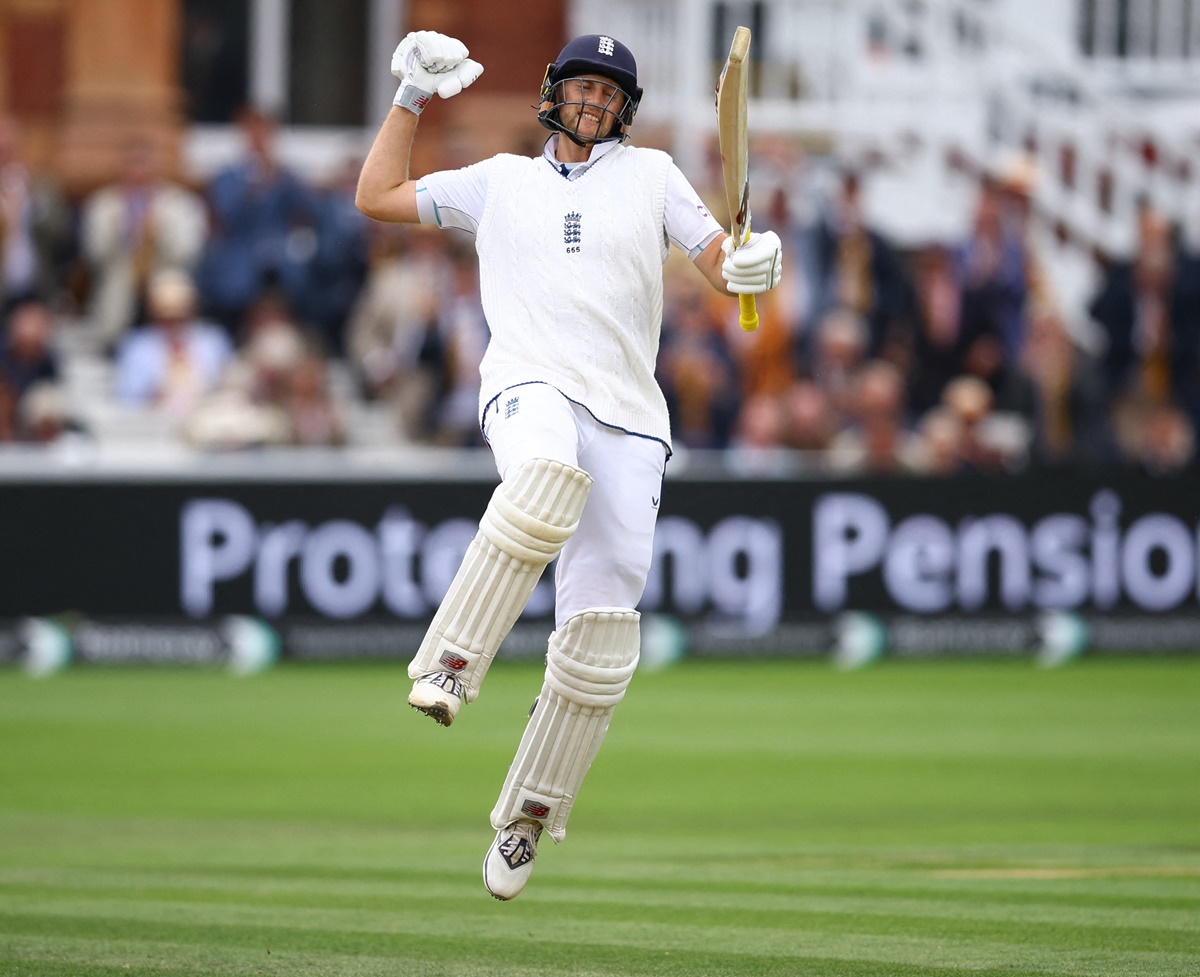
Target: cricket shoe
<point>509,862</point>
<point>439,696</point>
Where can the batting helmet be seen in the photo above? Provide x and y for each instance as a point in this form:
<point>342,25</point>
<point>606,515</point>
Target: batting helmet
<point>591,54</point>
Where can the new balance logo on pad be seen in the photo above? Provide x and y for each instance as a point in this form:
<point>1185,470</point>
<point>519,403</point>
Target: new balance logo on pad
<point>453,660</point>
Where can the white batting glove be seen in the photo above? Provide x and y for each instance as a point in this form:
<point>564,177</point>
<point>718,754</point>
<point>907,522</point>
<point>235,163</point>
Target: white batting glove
<point>754,267</point>
<point>428,62</point>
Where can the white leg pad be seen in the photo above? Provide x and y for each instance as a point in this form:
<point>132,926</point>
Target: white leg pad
<point>590,662</point>
<point>529,519</point>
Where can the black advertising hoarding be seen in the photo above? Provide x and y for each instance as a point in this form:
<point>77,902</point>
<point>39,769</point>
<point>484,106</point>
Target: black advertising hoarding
<point>753,566</point>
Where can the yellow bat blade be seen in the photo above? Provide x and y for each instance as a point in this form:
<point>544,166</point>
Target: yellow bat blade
<point>732,125</point>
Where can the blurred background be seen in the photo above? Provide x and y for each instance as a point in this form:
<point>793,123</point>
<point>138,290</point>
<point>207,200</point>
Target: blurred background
<point>238,419</point>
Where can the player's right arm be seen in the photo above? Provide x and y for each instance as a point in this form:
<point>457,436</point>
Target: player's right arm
<point>385,192</point>
<point>425,62</point>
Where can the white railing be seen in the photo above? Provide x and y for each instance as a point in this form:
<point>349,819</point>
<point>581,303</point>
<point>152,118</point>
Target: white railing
<point>1138,41</point>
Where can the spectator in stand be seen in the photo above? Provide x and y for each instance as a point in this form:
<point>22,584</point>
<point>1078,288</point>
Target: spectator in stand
<point>876,441</point>
<point>1070,416</point>
<point>1165,441</point>
<point>756,445</point>
<point>27,352</point>
<point>841,349</point>
<point>767,357</point>
<point>993,268</point>
<point>8,411</point>
<point>859,270</point>
<point>970,400</point>
<point>43,415</point>
<point>1011,387</point>
<point>270,393</point>
<point>1185,329</point>
<point>940,446</point>
<point>31,393</point>
<point>313,417</point>
<point>1137,305</point>
<point>35,226</point>
<point>951,324</point>
<point>392,338</point>
<point>462,338</point>
<point>230,419</point>
<point>698,372</point>
<point>272,347</point>
<point>783,172</point>
<point>339,265</point>
<point>262,227</point>
<point>1016,178</point>
<point>761,423</point>
<point>174,360</point>
<point>811,423</point>
<point>131,229</point>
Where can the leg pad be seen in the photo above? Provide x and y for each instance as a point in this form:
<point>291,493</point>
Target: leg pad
<point>530,517</point>
<point>589,665</point>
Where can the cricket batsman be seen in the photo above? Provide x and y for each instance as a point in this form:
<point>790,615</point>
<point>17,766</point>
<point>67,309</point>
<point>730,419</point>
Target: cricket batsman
<point>571,246</point>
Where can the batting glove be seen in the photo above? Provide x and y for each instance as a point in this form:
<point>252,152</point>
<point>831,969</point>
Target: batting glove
<point>428,62</point>
<point>754,267</point>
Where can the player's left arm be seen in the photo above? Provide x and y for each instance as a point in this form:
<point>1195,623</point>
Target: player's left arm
<point>750,269</point>
<point>710,260</point>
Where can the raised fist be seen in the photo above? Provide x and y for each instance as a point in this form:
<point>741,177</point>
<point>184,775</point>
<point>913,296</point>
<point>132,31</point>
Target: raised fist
<point>427,62</point>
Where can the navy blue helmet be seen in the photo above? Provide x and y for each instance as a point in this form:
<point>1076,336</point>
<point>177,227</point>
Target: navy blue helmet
<point>591,54</point>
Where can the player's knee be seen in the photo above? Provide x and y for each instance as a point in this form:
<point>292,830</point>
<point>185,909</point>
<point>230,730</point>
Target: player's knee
<point>536,510</point>
<point>593,656</point>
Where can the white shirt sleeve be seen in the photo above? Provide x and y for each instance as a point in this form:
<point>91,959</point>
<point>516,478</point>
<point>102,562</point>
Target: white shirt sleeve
<point>690,227</point>
<point>454,198</point>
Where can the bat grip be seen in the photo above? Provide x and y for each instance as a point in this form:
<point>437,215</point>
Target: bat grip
<point>748,319</point>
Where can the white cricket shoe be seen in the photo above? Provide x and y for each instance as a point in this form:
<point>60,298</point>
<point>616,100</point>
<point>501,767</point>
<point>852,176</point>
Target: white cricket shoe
<point>439,696</point>
<point>509,862</point>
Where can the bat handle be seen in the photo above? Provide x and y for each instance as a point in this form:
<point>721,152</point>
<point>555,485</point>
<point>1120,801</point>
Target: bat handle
<point>748,319</point>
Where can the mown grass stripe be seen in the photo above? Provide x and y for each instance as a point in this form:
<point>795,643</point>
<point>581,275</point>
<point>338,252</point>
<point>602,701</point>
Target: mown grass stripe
<point>720,905</point>
<point>102,958</point>
<point>624,925</point>
<point>1090,874</point>
<point>550,938</point>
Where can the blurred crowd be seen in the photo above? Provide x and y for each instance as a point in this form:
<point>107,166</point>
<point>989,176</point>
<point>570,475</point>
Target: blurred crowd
<point>225,307</point>
<point>942,358</point>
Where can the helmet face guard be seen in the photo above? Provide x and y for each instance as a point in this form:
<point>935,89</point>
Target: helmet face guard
<point>591,57</point>
<point>616,112</point>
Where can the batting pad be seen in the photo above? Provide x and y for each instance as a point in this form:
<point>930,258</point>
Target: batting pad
<point>528,520</point>
<point>588,667</point>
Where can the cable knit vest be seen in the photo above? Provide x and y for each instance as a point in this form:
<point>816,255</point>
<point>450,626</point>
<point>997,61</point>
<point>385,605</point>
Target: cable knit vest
<point>571,283</point>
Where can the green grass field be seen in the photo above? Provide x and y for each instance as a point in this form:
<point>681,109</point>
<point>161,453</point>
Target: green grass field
<point>753,819</point>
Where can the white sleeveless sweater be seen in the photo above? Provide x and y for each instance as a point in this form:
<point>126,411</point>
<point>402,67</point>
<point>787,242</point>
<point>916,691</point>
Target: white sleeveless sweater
<point>571,283</point>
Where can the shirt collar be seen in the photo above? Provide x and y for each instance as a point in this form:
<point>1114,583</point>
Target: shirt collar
<point>598,150</point>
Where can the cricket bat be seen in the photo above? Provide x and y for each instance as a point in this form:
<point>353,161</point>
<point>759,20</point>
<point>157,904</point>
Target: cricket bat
<point>732,124</point>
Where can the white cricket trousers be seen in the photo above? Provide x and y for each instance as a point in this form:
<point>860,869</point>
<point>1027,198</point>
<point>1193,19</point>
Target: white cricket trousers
<point>607,561</point>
